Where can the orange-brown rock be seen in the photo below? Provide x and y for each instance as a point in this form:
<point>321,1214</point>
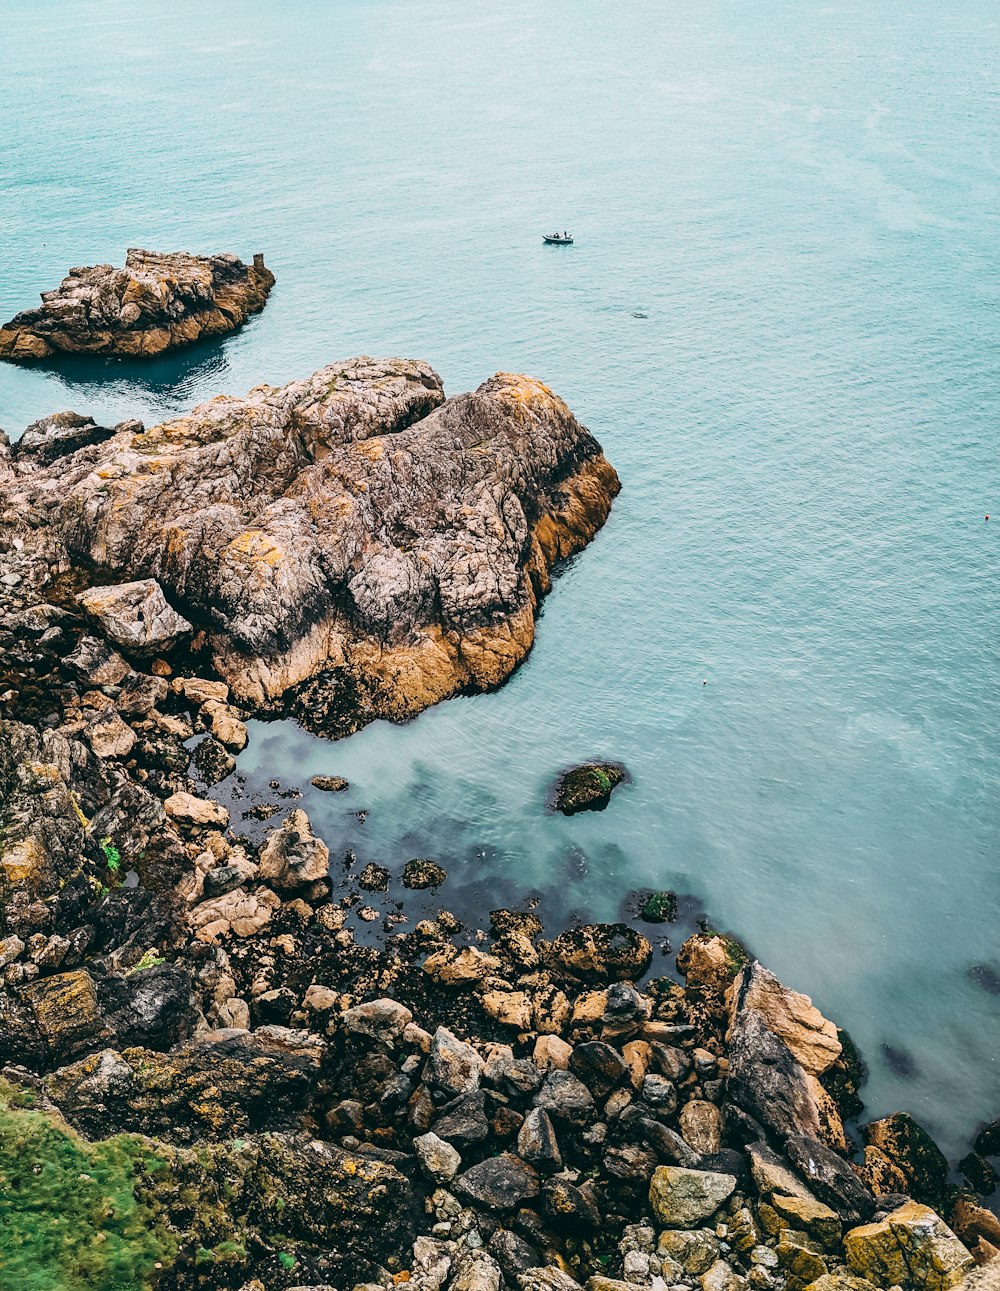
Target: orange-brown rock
<point>156,303</point>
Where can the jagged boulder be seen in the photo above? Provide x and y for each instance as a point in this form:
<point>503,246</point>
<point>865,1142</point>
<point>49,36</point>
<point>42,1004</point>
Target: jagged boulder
<point>156,303</point>
<point>911,1247</point>
<point>136,616</point>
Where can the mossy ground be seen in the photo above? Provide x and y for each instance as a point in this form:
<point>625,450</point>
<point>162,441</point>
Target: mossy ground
<point>69,1217</point>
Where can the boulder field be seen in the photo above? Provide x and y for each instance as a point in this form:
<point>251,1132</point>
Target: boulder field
<point>157,302</point>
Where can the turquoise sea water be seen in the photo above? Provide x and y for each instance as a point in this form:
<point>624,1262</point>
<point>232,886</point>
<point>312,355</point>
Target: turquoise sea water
<point>780,319</point>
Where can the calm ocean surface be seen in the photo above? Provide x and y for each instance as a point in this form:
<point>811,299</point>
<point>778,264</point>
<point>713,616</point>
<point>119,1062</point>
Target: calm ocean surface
<point>780,318</point>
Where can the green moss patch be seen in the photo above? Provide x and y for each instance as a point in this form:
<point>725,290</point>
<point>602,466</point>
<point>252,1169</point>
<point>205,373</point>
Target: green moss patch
<point>69,1217</point>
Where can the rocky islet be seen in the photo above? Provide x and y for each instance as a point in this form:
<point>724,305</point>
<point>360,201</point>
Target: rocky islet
<point>155,303</point>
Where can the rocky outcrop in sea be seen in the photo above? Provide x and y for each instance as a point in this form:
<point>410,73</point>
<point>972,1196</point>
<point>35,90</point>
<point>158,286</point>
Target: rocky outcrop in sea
<point>208,1076</point>
<point>157,302</point>
<point>349,546</point>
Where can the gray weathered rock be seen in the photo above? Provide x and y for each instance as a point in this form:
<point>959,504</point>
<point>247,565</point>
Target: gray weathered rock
<point>136,616</point>
<point>500,1183</point>
<point>683,1198</point>
<point>350,538</point>
<point>453,1066</point>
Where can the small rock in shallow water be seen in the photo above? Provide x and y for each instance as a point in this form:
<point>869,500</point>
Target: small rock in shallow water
<point>587,787</point>
<point>423,874</point>
<point>374,878</point>
<point>329,783</point>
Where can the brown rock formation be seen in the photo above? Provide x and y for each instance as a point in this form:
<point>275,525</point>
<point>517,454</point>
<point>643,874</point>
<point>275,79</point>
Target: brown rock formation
<point>156,303</point>
<point>352,543</point>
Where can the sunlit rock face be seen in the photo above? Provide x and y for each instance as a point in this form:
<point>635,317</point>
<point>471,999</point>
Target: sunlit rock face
<point>353,544</point>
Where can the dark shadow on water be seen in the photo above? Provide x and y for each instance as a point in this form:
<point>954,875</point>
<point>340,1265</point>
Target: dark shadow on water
<point>172,378</point>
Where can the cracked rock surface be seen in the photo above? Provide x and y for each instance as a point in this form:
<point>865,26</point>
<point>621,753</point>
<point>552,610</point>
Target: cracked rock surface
<point>157,302</point>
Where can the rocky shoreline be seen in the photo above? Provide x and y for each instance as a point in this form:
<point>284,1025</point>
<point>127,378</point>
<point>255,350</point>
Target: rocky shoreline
<point>207,1079</point>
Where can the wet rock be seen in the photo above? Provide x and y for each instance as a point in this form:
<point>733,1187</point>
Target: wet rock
<point>222,879</point>
<point>374,878</point>
<point>602,952</point>
<point>979,1174</point>
<point>423,874</point>
<point>329,783</point>
<point>682,1198</point>
<point>499,1183</point>
<point>156,303</point>
<point>587,787</point>
<point>67,1015</point>
<point>831,1179</point>
<point>912,1247</point>
<point>293,857</point>
<point>439,1159</point>
<point>136,616</point>
<point>660,1094</point>
<point>659,907</point>
<point>912,1150</point>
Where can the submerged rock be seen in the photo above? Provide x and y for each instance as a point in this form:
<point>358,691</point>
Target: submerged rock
<point>423,874</point>
<point>587,787</point>
<point>156,303</point>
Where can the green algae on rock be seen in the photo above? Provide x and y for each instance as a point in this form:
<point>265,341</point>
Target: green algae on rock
<point>587,787</point>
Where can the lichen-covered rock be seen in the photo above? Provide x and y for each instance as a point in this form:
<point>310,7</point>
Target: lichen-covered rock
<point>911,1247</point>
<point>682,1198</point>
<point>359,547</point>
<point>222,1084</point>
<point>156,303</point>
<point>914,1153</point>
<point>601,952</point>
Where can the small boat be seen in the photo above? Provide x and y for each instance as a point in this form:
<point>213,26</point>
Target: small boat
<point>563,239</point>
